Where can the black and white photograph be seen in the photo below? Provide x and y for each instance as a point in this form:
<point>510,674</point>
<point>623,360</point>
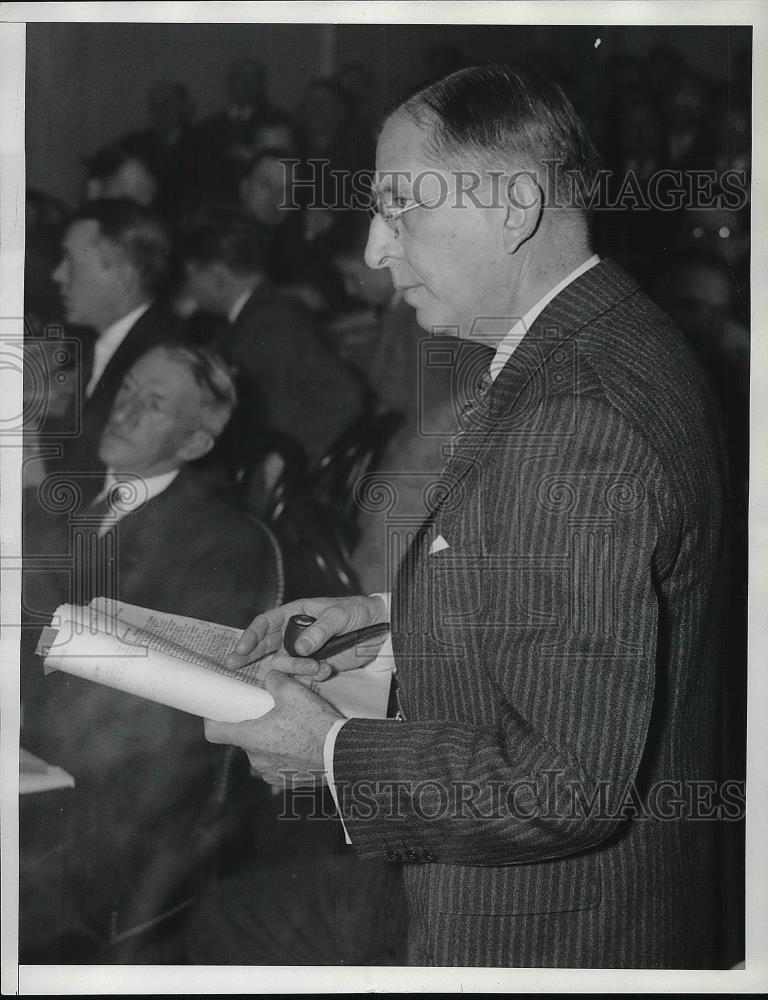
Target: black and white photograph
<point>380,497</point>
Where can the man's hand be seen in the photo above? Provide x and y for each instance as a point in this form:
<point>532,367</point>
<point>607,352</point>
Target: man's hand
<point>263,639</point>
<point>285,746</point>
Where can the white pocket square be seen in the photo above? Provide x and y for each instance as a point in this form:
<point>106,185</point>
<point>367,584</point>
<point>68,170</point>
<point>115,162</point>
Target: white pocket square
<point>438,545</point>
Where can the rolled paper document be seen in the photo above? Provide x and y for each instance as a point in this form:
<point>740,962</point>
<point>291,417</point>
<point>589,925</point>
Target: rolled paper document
<point>148,673</point>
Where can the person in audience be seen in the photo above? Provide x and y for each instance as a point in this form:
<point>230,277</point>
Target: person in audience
<point>300,245</point>
<point>303,388</point>
<point>274,132</point>
<point>221,144</point>
<point>414,372</point>
<point>332,147</point>
<point>165,143</point>
<point>377,333</point>
<point>116,172</point>
<point>146,816</point>
<point>114,264</point>
<point>321,119</point>
<point>265,188</point>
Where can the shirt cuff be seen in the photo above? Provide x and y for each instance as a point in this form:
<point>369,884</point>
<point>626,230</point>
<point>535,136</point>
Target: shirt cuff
<point>387,598</point>
<point>328,747</point>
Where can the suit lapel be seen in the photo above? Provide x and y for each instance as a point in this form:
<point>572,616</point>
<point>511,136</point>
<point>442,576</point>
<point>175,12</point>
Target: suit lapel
<point>548,346</point>
<point>148,330</point>
<point>263,294</point>
<point>521,385</point>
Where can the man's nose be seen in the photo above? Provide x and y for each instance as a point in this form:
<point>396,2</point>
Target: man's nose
<point>58,273</point>
<point>125,411</point>
<point>382,244</point>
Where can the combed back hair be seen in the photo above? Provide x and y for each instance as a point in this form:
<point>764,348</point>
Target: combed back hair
<point>138,233</point>
<point>506,119</point>
<point>276,153</point>
<point>109,160</point>
<point>274,118</point>
<point>221,235</point>
<point>212,376</point>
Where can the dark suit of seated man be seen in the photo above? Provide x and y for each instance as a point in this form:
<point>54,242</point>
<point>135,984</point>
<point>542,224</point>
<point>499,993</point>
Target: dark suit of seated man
<point>302,387</point>
<point>146,814</point>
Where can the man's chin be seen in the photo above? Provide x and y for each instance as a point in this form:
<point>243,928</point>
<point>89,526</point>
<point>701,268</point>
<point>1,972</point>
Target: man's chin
<point>429,319</point>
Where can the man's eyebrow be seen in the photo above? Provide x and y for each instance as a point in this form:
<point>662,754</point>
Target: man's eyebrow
<point>391,180</point>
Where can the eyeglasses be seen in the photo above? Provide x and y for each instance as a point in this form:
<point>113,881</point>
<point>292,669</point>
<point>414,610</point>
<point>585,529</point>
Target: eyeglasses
<point>390,216</point>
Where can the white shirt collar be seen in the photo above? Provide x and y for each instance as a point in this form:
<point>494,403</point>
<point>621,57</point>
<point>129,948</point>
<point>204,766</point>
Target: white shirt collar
<point>109,340</point>
<point>507,347</point>
<point>239,304</point>
<point>136,492</point>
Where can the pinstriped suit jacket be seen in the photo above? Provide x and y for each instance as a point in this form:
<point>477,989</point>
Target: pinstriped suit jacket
<point>558,662</point>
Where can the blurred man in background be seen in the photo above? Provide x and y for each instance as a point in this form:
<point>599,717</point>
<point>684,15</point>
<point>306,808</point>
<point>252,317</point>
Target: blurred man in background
<point>221,145</point>
<point>165,143</point>
<point>300,386</point>
<point>116,172</point>
<point>300,238</point>
<point>114,264</point>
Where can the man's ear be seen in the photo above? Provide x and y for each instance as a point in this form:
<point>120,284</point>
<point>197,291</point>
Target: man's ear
<point>198,443</point>
<point>524,202</point>
<point>128,275</point>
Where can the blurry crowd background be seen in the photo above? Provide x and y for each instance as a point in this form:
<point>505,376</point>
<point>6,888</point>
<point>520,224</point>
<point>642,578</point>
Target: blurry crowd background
<point>649,106</point>
<point>218,183</point>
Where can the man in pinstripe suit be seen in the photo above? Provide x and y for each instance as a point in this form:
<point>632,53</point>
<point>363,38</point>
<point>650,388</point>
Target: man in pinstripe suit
<point>555,622</point>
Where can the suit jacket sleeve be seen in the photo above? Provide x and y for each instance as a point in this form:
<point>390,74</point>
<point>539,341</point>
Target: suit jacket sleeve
<point>312,394</point>
<point>231,578</point>
<point>574,536</point>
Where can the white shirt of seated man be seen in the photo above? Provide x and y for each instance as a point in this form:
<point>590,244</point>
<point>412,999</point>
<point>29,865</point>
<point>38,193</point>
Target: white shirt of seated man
<point>165,415</point>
